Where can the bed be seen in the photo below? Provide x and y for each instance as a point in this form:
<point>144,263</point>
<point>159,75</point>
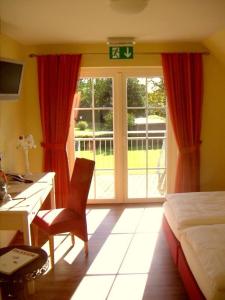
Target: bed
<point>204,249</point>
<point>182,212</point>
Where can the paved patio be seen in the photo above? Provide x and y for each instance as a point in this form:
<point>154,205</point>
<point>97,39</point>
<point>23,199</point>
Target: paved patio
<point>136,186</point>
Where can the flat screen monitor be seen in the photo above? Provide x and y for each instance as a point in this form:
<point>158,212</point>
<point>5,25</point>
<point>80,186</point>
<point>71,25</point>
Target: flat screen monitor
<point>11,75</point>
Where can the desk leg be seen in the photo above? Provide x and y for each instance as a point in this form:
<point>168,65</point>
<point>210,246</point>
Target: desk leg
<point>27,241</point>
<point>26,231</point>
<point>52,194</point>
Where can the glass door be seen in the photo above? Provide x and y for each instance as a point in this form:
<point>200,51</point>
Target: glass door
<point>121,124</point>
<point>94,132</point>
<point>146,137</point>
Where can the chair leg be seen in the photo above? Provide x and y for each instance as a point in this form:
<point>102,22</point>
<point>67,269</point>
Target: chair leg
<point>72,238</point>
<point>86,248</point>
<point>51,247</point>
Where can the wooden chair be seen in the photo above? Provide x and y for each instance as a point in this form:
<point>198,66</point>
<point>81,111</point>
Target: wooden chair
<point>72,218</point>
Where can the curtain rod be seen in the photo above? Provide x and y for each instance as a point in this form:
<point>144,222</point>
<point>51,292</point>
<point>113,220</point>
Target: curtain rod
<point>135,53</point>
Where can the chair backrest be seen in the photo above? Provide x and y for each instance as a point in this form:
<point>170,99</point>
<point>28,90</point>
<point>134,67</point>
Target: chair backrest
<point>80,184</point>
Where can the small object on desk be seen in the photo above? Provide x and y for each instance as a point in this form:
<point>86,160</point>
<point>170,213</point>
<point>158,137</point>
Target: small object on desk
<point>4,196</point>
<point>19,178</point>
<point>3,190</point>
<point>3,176</point>
<point>3,185</point>
<point>26,142</point>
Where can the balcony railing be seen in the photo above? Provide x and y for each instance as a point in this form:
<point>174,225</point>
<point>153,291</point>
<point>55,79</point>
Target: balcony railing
<point>138,142</point>
<point>105,144</point>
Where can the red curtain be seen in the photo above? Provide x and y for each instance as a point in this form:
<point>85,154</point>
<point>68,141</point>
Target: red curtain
<point>57,77</point>
<point>184,87</point>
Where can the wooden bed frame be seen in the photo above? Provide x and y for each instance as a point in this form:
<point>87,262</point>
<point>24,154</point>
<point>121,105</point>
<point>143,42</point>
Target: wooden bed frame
<point>179,259</point>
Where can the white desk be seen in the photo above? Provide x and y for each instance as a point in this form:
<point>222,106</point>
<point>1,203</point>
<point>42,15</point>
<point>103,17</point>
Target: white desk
<point>18,214</point>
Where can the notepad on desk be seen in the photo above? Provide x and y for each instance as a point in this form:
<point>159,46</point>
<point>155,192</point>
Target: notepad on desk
<point>15,259</point>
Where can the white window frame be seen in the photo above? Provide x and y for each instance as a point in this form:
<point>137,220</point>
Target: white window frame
<point>119,75</point>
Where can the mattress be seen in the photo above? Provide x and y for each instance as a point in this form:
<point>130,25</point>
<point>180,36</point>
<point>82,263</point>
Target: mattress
<point>204,250</point>
<point>184,210</point>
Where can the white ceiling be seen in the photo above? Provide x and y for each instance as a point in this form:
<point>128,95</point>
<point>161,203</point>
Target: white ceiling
<point>82,21</point>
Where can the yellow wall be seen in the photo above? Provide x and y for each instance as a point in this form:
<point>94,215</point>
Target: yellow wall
<point>216,44</point>
<point>20,116</point>
<point>23,116</point>
<point>213,147</point>
<point>96,55</point>
<point>212,166</point>
<point>26,116</point>
<point>11,112</point>
<point>11,123</point>
<point>213,126</point>
<point>32,112</point>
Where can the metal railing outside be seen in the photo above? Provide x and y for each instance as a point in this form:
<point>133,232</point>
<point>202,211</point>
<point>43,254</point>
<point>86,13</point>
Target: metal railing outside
<point>103,146</point>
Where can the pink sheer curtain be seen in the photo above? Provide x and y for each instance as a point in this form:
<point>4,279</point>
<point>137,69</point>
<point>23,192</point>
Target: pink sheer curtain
<point>184,87</point>
<point>57,77</point>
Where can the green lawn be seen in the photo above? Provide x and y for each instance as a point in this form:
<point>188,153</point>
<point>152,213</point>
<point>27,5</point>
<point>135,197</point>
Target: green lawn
<point>136,159</point>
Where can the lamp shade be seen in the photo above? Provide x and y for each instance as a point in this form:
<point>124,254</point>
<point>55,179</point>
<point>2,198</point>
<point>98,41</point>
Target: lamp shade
<point>128,6</point>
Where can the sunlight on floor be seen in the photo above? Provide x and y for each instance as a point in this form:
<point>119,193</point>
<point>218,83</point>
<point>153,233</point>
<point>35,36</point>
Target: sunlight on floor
<point>122,265</point>
<point>111,254</point>
<point>140,254</point>
<point>94,218</point>
<point>94,287</point>
<point>74,251</point>
<point>63,246</point>
<point>62,242</point>
<point>128,220</point>
<point>121,268</point>
<point>151,220</point>
<point>128,287</point>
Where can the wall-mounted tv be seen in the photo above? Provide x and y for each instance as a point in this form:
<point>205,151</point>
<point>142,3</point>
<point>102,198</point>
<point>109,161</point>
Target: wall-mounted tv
<point>11,75</point>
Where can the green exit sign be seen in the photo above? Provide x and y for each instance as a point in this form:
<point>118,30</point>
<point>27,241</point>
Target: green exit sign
<point>121,52</point>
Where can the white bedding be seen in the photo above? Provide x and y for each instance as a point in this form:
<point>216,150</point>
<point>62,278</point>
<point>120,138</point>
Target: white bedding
<point>204,249</point>
<point>183,210</point>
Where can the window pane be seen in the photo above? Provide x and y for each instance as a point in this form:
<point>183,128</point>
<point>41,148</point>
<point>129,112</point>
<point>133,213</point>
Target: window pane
<point>136,120</point>
<point>85,89</point>
<point>104,121</point>
<point>104,139</point>
<point>83,123</point>
<point>83,132</point>
<point>136,92</point>
<point>157,115</point>
<point>136,138</point>
<point>137,155</point>
<point>104,184</point>
<point>156,92</point>
<point>156,182</point>
<point>104,158</point>
<point>137,183</point>
<point>94,133</point>
<point>103,92</point>
<point>91,194</point>
<point>146,111</point>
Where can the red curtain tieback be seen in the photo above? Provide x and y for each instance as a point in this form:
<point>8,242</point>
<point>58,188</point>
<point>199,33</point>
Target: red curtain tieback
<point>53,146</point>
<point>190,149</point>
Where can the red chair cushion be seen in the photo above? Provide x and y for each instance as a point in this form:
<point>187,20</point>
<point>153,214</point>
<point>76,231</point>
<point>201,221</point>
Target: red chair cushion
<point>58,220</point>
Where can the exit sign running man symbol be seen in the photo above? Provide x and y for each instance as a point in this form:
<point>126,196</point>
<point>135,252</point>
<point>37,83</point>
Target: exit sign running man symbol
<point>121,52</point>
